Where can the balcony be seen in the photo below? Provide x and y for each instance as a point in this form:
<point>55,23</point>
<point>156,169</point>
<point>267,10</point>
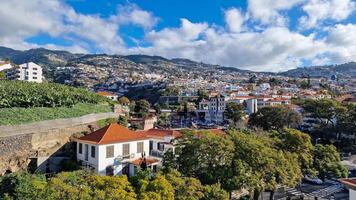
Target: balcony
<point>157,153</point>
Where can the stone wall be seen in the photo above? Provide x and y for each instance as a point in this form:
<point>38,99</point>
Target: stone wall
<point>18,144</point>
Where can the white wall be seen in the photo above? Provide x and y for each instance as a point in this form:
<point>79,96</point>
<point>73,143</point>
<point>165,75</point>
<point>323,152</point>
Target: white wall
<point>352,194</point>
<point>92,161</point>
<point>104,162</point>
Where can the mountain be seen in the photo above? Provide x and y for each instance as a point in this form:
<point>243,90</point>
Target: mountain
<point>344,70</point>
<point>84,69</point>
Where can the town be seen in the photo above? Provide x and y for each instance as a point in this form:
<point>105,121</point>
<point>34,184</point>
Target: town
<point>136,135</point>
<point>178,100</point>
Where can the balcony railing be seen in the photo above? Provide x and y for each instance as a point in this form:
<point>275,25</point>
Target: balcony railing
<point>157,153</point>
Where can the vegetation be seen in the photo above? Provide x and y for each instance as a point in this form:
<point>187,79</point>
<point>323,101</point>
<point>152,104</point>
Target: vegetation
<point>234,112</point>
<point>255,161</point>
<point>12,116</point>
<point>85,185</point>
<point>140,108</point>
<point>28,94</point>
<point>104,122</point>
<point>274,118</point>
<point>171,91</point>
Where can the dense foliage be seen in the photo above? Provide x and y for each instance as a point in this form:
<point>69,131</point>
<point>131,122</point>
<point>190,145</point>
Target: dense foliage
<point>256,161</point>
<point>12,116</point>
<point>275,117</point>
<point>85,185</point>
<point>27,94</point>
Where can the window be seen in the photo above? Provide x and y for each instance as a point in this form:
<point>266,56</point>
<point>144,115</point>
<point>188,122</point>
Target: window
<point>34,77</point>
<point>139,147</point>
<point>92,151</point>
<point>34,68</point>
<point>80,148</point>
<point>160,146</point>
<point>34,73</point>
<point>125,149</point>
<point>110,151</point>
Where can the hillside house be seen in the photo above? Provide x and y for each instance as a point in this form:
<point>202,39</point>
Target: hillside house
<point>116,150</point>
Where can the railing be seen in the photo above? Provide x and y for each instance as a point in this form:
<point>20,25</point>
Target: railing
<point>157,153</point>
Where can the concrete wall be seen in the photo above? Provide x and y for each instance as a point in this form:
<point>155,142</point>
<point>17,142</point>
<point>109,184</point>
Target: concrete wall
<point>20,143</point>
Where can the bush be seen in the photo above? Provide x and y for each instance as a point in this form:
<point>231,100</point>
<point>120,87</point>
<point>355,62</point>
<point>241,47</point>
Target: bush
<point>28,94</point>
<point>12,116</point>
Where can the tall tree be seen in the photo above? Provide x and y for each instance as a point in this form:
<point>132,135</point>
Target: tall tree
<point>142,108</point>
<point>275,118</point>
<point>234,112</point>
<point>327,162</point>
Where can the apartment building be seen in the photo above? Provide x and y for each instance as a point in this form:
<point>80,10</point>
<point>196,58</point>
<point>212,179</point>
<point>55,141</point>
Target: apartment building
<point>212,109</point>
<point>26,72</point>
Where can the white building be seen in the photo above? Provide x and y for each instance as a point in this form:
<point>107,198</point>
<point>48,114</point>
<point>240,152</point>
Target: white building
<point>350,184</point>
<point>213,109</point>
<point>26,72</point>
<point>116,150</point>
<point>251,106</point>
<point>109,95</point>
<point>5,66</point>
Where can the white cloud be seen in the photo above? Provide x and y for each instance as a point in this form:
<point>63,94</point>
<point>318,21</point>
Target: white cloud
<point>319,10</point>
<point>234,20</point>
<point>268,11</point>
<point>273,47</point>
<point>132,14</point>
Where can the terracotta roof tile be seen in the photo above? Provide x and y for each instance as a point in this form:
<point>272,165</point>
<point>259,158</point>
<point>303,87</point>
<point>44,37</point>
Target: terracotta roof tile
<point>113,133</point>
<point>105,94</point>
<point>149,161</point>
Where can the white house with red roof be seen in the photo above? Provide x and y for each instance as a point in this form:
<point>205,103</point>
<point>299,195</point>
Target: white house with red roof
<point>116,150</point>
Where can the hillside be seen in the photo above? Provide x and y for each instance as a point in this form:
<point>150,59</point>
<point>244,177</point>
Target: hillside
<point>345,70</point>
<point>24,102</point>
<point>92,69</point>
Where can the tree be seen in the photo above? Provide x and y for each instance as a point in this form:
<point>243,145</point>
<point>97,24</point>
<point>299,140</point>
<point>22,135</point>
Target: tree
<point>261,165</point>
<point>2,75</point>
<point>22,185</point>
<point>142,108</point>
<point>205,155</point>
<point>274,118</point>
<point>325,110</point>
<point>159,188</point>
<point>163,120</point>
<point>122,121</point>
<point>234,112</point>
<point>298,143</point>
<point>124,101</point>
<point>346,121</point>
<point>214,192</point>
<point>327,162</point>
<point>171,91</point>
<point>169,160</point>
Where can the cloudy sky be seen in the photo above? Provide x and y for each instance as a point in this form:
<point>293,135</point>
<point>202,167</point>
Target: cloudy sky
<point>260,35</point>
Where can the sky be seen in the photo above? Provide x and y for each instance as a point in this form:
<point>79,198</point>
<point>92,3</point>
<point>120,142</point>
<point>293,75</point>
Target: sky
<point>259,35</point>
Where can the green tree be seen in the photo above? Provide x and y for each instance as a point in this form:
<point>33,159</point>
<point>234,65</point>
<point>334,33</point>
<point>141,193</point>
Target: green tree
<point>261,165</point>
<point>123,121</point>
<point>159,188</point>
<point>169,160</point>
<point>234,112</point>
<point>214,192</point>
<point>327,162</point>
<point>142,108</point>
<point>171,91</point>
<point>298,143</point>
<point>346,121</point>
<point>22,185</point>
<point>124,101</point>
<point>274,118</point>
<point>2,75</point>
<point>205,155</point>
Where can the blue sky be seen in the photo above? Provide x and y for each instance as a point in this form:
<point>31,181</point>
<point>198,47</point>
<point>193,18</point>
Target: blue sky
<point>261,35</point>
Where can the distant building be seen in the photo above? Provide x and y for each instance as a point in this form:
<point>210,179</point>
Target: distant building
<point>146,123</point>
<point>109,95</point>
<point>5,66</point>
<point>26,72</point>
<point>213,109</point>
<point>251,106</point>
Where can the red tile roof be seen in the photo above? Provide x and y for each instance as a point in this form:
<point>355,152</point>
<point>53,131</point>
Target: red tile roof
<point>149,161</point>
<point>113,133</point>
<point>349,182</point>
<point>105,94</point>
<point>161,133</point>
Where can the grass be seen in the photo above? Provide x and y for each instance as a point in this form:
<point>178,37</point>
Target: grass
<point>13,116</point>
